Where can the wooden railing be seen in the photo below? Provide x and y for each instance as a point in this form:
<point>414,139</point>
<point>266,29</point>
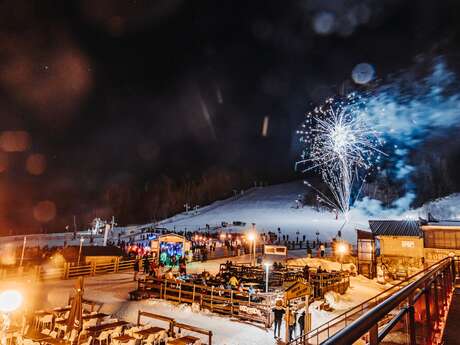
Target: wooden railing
<point>67,271</point>
<point>173,324</point>
<point>241,305</point>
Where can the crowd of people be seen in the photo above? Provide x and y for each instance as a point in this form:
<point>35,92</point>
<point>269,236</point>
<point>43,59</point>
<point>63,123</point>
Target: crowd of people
<point>295,318</point>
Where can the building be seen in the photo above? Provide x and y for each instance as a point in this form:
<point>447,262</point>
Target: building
<point>400,246</point>
<point>404,246</point>
<point>441,239</point>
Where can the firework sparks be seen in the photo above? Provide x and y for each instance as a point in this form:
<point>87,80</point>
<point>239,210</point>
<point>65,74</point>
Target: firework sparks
<point>341,145</point>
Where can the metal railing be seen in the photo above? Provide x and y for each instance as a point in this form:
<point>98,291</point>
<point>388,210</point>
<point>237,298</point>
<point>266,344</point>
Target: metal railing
<point>413,315</point>
<point>329,328</point>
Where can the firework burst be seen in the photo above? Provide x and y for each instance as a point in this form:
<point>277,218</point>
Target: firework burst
<point>341,145</point>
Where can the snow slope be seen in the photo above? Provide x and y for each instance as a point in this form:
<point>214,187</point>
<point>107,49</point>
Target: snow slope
<point>269,208</point>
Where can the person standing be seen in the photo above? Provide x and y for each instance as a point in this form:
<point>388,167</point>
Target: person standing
<point>292,321</point>
<point>322,248</point>
<point>182,267</point>
<point>301,322</point>
<point>146,264</point>
<point>278,312</point>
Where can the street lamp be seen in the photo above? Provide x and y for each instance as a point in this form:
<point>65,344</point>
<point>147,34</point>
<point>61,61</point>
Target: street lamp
<point>342,250</point>
<point>10,300</point>
<point>267,268</point>
<point>252,238</point>
<point>79,251</point>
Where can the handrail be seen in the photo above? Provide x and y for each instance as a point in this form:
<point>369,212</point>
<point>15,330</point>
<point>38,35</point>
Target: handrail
<point>359,327</point>
<point>359,307</point>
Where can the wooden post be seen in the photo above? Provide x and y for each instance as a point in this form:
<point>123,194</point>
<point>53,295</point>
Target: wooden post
<point>307,318</point>
<point>427,304</point>
<point>287,322</point>
<point>38,271</point>
<point>374,335</point>
<point>193,294</point>
<point>436,305</point>
<point>139,317</point>
<point>180,292</point>
<point>411,320</point>
<point>231,302</point>
<point>93,268</point>
<point>116,265</point>
<point>66,270</point>
<point>210,337</point>
<point>212,296</point>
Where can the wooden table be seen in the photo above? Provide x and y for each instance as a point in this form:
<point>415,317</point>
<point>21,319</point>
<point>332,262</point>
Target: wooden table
<point>37,336</point>
<point>152,330</point>
<point>187,340</point>
<point>54,341</point>
<point>106,326</point>
<point>60,310</point>
<point>123,338</point>
<point>94,316</point>
<point>42,313</point>
<point>85,317</point>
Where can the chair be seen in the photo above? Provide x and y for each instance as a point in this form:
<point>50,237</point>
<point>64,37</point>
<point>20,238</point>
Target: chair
<point>30,342</point>
<point>25,329</point>
<point>88,341</point>
<point>103,338</point>
<point>19,340</point>
<point>151,340</point>
<point>89,323</point>
<point>117,331</point>
<point>60,328</point>
<point>72,336</point>
<point>45,321</point>
<point>162,337</point>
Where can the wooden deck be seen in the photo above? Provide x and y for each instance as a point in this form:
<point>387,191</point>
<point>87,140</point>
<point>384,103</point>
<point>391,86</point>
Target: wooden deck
<point>452,330</point>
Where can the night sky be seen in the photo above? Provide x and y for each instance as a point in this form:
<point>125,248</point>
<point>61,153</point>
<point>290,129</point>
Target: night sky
<point>109,93</point>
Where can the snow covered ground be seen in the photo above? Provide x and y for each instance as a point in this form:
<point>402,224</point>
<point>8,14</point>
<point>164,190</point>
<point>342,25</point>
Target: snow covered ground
<point>112,290</point>
<point>271,208</point>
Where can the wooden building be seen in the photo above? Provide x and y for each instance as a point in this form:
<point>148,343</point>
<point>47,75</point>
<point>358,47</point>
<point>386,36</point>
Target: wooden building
<point>441,239</point>
<point>409,244</point>
<point>400,246</point>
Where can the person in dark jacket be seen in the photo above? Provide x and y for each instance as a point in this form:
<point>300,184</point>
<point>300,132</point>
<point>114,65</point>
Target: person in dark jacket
<point>146,264</point>
<point>301,322</point>
<point>278,311</point>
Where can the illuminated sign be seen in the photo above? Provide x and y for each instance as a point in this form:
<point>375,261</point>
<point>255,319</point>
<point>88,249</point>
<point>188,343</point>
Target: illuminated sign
<point>407,244</point>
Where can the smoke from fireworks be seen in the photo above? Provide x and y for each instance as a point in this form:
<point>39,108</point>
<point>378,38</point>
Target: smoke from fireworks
<point>341,145</point>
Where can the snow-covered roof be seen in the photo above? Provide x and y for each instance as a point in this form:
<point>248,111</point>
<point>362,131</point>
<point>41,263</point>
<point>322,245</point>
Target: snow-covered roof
<point>395,228</point>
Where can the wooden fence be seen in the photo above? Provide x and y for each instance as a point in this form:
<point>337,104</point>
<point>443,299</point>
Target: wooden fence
<point>337,281</point>
<point>67,271</point>
<point>241,305</point>
<point>173,324</point>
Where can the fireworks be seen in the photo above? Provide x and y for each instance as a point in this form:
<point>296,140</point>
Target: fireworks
<point>341,145</point>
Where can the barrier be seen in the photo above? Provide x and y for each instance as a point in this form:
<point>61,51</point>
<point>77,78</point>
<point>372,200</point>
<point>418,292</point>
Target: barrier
<point>377,317</point>
<point>223,301</point>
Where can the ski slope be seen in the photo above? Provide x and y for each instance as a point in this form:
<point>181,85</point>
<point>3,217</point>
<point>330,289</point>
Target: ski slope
<point>269,208</point>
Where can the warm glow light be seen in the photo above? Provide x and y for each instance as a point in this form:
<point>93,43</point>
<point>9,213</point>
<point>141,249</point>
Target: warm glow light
<point>342,248</point>
<point>267,265</point>
<point>10,300</point>
<point>251,236</point>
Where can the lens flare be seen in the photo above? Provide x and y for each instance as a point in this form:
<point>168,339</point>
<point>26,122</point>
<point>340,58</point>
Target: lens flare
<point>10,300</point>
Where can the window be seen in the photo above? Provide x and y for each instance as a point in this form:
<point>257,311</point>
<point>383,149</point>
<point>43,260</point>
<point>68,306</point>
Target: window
<point>442,239</point>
